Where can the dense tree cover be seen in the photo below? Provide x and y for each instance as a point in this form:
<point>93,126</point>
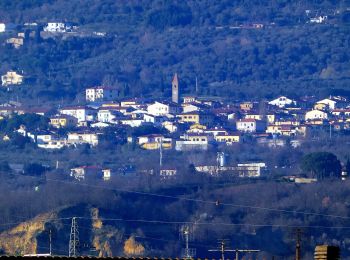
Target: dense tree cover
<point>170,16</point>
<point>34,169</point>
<point>31,121</point>
<point>321,165</point>
<point>148,41</point>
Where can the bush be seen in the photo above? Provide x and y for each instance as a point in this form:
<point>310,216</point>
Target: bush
<point>34,169</point>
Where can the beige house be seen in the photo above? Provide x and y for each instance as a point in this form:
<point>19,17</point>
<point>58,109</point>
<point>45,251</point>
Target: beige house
<point>196,117</point>
<point>63,121</point>
<point>228,138</point>
<point>83,138</point>
<point>315,114</point>
<point>11,78</point>
<point>15,42</point>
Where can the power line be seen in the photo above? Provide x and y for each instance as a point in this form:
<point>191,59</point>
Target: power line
<point>164,222</point>
<point>193,200</point>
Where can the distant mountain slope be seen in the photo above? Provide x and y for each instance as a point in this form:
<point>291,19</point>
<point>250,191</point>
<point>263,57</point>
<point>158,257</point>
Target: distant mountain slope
<point>236,49</point>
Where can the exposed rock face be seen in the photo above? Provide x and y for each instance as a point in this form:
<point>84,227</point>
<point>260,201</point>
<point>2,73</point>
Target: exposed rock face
<point>106,239</point>
<point>132,248</point>
<point>22,239</point>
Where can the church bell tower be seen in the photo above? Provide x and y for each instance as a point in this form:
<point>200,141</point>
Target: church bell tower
<point>175,89</point>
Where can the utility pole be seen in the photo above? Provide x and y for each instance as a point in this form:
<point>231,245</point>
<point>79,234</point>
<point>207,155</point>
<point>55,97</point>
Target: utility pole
<point>161,153</point>
<point>244,251</point>
<point>50,240</point>
<point>298,244</point>
<point>237,251</point>
<point>222,248</point>
<point>74,239</point>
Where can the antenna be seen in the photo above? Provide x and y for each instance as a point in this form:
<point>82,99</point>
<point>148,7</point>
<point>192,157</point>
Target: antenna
<point>74,239</point>
<point>197,90</point>
<point>50,240</point>
<point>186,233</point>
<point>298,234</point>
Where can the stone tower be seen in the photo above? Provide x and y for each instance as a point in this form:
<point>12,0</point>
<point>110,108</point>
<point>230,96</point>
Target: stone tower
<point>175,89</point>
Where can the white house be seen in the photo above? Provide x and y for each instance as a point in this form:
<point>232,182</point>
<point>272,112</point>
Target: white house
<point>163,108</point>
<point>194,142</point>
<point>82,113</point>
<point>54,144</point>
<point>319,19</point>
<point>167,173</point>
<point>315,114</point>
<point>152,138</point>
<point>83,172</point>
<point>190,107</point>
<point>11,78</point>
<point>2,27</point>
<point>250,125</point>
<point>99,125</point>
<point>133,122</point>
<point>170,126</point>
<point>282,101</point>
<point>58,27</point>
<point>106,174</point>
<point>107,115</point>
<point>155,120</point>
<point>328,102</point>
<point>101,93</point>
<point>251,169</point>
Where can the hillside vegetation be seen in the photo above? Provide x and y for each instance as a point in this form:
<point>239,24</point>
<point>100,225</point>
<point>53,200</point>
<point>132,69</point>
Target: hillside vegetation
<point>148,41</point>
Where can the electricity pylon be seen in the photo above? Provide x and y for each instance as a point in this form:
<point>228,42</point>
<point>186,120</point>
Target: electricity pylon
<point>74,239</point>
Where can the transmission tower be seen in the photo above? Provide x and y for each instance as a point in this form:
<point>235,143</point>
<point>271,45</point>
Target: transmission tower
<point>74,239</point>
<point>186,233</point>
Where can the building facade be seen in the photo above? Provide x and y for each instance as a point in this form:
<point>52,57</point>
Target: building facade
<point>101,94</point>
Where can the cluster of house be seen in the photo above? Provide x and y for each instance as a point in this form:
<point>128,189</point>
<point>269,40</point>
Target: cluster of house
<point>189,122</point>
<point>20,34</point>
<point>193,123</point>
